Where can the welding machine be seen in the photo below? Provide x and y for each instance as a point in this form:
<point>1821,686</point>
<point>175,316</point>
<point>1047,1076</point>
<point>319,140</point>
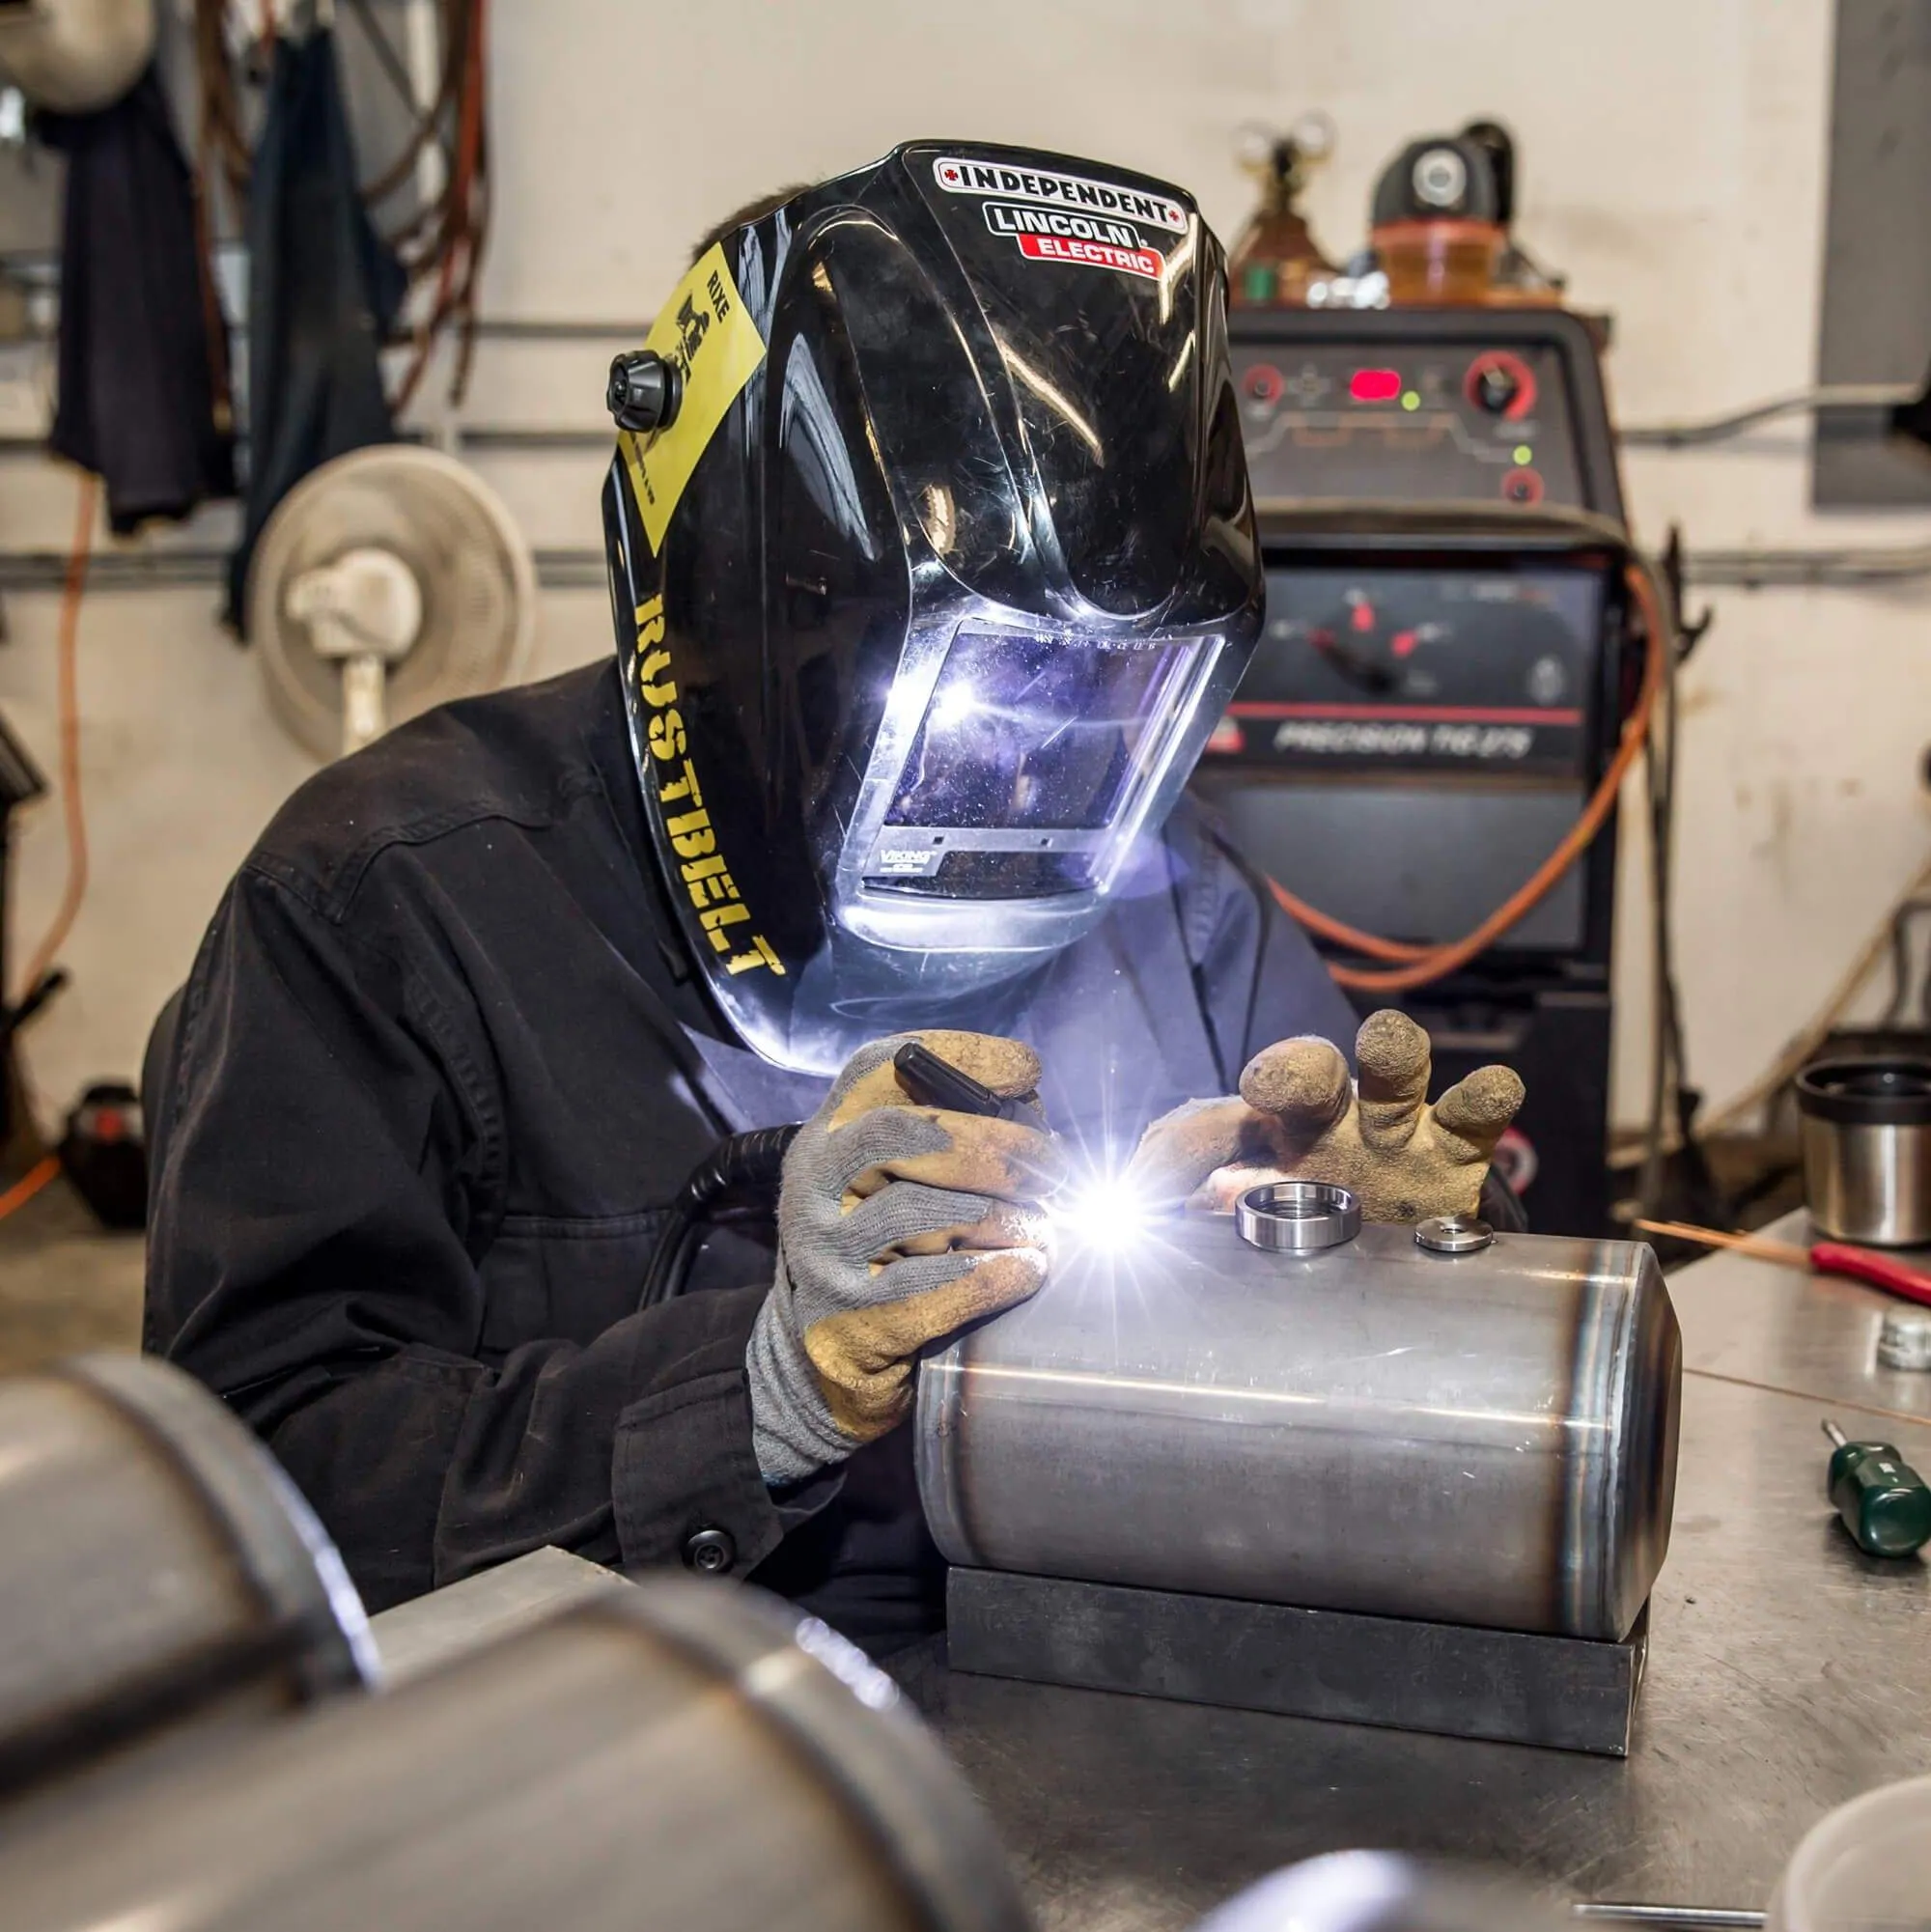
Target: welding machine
<point>1442,680</point>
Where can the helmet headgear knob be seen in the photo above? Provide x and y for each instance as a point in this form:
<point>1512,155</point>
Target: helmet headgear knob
<point>644,392</point>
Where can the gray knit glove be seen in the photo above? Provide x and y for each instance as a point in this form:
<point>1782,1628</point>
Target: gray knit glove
<point>897,1225</point>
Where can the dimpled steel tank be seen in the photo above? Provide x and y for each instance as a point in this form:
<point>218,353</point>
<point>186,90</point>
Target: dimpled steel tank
<point>1484,1437</point>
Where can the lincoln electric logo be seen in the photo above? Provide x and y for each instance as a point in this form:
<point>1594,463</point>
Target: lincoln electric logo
<point>1073,192</point>
<point>1044,235</point>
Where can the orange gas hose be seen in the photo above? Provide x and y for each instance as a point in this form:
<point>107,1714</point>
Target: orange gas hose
<point>28,1184</point>
<point>1418,966</point>
<point>75,890</point>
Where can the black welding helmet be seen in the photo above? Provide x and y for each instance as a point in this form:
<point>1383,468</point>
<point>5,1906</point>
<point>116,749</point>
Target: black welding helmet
<point>931,588</point>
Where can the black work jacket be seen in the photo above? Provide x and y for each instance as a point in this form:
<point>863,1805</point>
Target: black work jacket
<point>441,1064</point>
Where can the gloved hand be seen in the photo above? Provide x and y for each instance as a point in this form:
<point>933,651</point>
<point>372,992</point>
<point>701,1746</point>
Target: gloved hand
<point>897,1224</point>
<point>1300,1118</point>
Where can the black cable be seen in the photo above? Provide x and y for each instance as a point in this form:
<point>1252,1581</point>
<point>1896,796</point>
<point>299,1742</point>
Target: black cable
<point>1673,1101</point>
<point>1896,1011</point>
<point>1924,994</point>
<point>1719,428</point>
<point>1668,1062</point>
<point>1650,1188</point>
<point>1689,630</point>
<point>1706,1203</point>
<point>1900,967</point>
<point>742,1167</point>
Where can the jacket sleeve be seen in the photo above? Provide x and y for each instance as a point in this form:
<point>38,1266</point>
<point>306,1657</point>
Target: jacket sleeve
<point>1261,979</point>
<point>330,1176</point>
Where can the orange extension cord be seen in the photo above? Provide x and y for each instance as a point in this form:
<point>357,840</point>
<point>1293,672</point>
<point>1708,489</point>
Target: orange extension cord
<point>75,890</point>
<point>28,1184</point>
<point>1418,966</point>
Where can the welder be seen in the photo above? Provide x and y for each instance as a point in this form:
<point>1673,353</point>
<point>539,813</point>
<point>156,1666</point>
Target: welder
<point>933,563</point>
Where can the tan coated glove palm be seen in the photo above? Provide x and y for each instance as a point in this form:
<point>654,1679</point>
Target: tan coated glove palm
<point>897,1225</point>
<point>1298,1117</point>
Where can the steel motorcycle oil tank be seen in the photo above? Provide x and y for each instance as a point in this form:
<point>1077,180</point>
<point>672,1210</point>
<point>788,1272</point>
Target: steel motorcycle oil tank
<point>1485,1437</point>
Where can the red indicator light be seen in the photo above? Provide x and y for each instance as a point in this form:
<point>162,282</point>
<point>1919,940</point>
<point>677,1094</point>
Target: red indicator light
<point>1374,386</point>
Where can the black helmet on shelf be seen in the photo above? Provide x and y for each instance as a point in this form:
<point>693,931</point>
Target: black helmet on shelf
<point>1440,178</point>
<point>931,583</point>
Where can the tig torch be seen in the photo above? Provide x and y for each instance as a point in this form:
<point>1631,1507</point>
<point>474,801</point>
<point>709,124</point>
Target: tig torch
<point>748,1168</point>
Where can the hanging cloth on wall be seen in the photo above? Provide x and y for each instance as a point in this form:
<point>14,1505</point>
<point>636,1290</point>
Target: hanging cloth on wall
<point>138,394</point>
<point>324,292</point>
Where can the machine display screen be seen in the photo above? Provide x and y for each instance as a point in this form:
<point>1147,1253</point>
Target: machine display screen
<point>1421,669</point>
<point>1324,421</point>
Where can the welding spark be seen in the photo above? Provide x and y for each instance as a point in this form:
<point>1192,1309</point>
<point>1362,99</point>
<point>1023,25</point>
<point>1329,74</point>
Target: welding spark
<point>1100,1212</point>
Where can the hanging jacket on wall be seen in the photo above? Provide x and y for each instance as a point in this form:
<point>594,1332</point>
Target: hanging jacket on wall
<point>137,390</point>
<point>324,291</point>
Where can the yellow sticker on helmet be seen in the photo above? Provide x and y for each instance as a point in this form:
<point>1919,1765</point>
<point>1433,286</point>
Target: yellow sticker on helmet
<point>706,333</point>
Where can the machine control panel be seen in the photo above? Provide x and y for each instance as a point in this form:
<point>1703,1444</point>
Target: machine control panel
<point>1491,668</point>
<point>1488,427</point>
<point>1466,406</point>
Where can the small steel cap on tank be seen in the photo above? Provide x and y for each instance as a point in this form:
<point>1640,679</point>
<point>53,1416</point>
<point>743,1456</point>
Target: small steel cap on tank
<point>1297,1217</point>
<point>1905,1339</point>
<point>1453,1234</point>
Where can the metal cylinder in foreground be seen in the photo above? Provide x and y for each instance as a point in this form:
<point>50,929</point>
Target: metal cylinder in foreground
<point>677,1754</point>
<point>1486,1438</point>
<point>157,1570</point>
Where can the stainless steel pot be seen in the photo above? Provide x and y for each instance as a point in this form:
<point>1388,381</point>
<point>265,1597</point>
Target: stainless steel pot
<point>1866,1130</point>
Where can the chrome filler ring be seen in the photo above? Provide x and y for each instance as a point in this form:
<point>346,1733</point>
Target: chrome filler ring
<point>1297,1217</point>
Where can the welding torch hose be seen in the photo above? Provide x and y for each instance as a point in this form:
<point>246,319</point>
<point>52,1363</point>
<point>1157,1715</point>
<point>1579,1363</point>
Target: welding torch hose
<point>1412,965</point>
<point>742,1165</point>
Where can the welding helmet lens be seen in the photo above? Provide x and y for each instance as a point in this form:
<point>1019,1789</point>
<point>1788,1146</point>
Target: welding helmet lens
<point>1036,758</point>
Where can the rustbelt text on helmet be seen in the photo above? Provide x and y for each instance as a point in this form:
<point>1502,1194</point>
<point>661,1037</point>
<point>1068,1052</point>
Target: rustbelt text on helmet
<point>706,873</point>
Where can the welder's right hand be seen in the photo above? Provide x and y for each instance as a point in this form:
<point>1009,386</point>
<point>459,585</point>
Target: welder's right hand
<point>1298,1117</point>
<point>897,1225</point>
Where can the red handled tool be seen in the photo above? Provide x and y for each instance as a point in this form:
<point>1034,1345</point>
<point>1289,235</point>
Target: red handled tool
<point>1824,1257</point>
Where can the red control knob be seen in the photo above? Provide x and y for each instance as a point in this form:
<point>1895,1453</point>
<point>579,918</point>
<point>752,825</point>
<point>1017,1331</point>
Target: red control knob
<point>1501,383</point>
<point>1263,383</point>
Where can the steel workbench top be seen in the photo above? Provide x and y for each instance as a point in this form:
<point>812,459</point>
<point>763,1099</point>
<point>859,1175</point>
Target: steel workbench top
<point>1787,1672</point>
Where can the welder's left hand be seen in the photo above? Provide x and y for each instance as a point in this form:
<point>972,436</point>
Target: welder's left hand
<point>1298,1117</point>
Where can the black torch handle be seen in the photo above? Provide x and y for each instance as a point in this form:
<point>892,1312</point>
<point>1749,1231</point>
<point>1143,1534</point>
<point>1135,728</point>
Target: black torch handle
<point>923,1077</point>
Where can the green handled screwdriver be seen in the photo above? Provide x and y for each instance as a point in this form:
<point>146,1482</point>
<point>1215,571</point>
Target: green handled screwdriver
<point>1884,1504</point>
